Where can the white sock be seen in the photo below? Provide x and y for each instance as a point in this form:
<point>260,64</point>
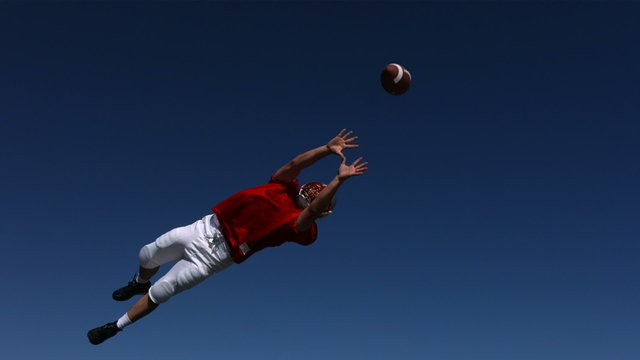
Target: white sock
<point>124,321</point>
<point>140,280</point>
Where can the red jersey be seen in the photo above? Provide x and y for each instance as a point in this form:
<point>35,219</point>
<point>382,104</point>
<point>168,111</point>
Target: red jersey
<point>262,216</point>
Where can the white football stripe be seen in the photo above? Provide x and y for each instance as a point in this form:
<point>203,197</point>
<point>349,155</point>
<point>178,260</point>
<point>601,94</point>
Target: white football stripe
<point>400,73</point>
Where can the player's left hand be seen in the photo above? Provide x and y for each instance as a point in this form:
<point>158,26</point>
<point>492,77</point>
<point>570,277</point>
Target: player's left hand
<point>346,171</point>
<point>341,142</point>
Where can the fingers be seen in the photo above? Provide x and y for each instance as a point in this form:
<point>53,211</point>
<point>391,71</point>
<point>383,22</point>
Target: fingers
<point>343,139</point>
<point>355,163</point>
<point>360,169</point>
<point>347,141</point>
<point>342,134</point>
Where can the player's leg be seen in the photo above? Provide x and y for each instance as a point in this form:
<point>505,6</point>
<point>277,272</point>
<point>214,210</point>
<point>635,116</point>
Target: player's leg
<point>146,274</point>
<point>141,308</point>
<point>182,276</point>
<point>204,257</point>
<point>167,248</point>
<point>205,253</point>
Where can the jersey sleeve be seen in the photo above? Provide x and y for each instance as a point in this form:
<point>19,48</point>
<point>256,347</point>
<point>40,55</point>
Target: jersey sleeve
<point>291,187</point>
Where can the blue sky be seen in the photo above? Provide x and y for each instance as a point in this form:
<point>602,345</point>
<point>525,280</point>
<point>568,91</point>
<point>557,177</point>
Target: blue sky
<point>498,220</point>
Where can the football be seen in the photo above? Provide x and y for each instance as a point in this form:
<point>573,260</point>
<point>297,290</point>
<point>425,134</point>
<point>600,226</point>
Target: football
<point>395,79</point>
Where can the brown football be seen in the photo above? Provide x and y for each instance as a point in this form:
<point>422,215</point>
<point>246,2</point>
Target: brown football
<point>395,79</point>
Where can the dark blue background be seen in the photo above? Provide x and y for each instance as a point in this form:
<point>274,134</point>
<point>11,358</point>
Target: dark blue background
<point>498,220</point>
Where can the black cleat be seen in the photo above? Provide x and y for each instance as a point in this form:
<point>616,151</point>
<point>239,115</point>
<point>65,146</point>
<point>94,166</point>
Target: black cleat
<point>132,288</point>
<point>102,333</point>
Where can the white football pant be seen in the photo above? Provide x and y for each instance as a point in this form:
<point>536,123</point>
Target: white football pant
<point>200,249</point>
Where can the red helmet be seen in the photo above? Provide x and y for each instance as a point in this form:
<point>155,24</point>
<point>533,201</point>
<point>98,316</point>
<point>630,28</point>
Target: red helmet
<point>309,192</point>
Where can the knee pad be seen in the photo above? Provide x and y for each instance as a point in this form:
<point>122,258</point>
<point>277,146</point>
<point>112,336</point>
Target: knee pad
<point>144,257</point>
<point>161,291</point>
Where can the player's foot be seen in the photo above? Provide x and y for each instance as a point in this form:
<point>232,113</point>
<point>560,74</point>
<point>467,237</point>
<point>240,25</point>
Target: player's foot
<point>102,333</point>
<point>132,288</point>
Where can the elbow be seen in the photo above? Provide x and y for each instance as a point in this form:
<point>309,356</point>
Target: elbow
<point>315,209</point>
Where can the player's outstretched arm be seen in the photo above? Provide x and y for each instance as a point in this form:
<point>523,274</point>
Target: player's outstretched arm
<point>323,201</point>
<point>292,169</point>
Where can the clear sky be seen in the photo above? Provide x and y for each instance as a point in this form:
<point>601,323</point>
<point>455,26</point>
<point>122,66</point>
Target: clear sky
<point>499,219</point>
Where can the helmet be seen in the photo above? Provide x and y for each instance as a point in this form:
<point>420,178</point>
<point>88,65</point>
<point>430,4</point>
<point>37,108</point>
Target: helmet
<point>308,192</point>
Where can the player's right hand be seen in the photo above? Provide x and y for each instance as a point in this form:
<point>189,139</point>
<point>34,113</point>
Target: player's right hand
<point>341,142</point>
